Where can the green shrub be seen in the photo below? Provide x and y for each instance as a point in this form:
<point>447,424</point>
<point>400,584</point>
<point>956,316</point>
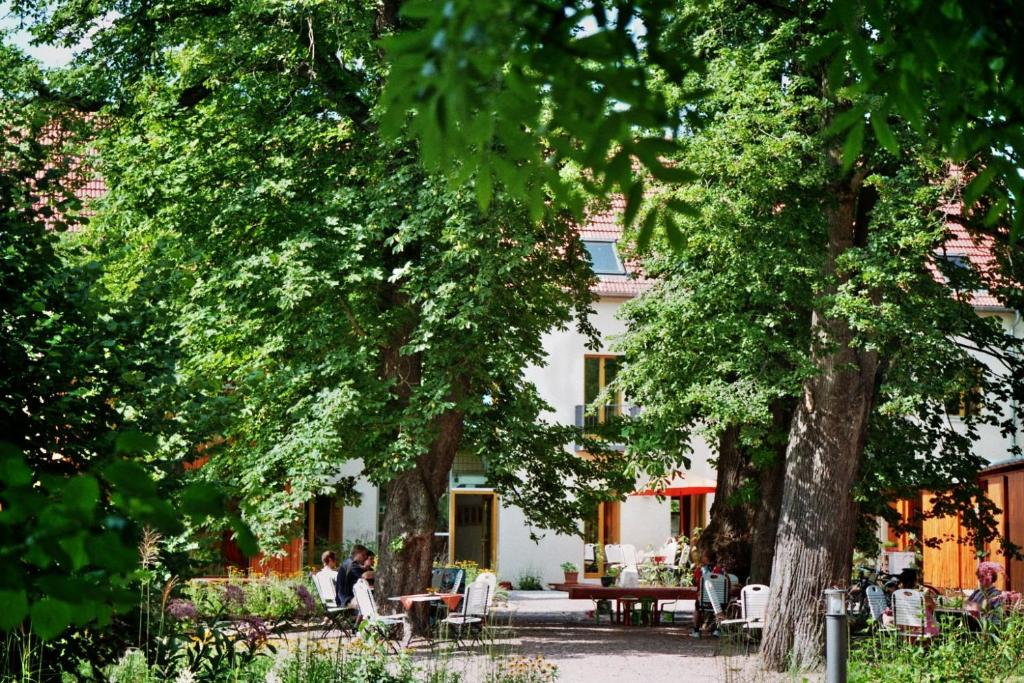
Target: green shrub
<point>529,581</point>
<point>956,655</point>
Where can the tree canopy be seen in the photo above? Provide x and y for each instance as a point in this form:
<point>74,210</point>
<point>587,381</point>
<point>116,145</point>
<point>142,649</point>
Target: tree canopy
<point>303,293</point>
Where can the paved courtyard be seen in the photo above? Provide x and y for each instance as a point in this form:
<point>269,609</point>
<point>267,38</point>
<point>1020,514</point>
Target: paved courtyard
<point>546,623</point>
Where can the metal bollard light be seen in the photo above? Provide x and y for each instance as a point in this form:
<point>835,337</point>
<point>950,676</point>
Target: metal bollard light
<point>836,635</point>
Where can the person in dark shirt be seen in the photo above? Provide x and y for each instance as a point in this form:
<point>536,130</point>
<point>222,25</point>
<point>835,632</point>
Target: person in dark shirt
<point>350,572</point>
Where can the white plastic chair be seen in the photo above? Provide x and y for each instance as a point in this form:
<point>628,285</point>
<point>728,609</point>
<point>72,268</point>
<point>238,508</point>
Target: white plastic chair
<point>588,552</point>
<point>368,611</point>
<point>684,556</point>
<point>753,605</point>
<point>336,616</point>
<point>875,597</point>
<point>908,610</point>
<point>668,551</point>
<point>612,554</point>
<point>491,579</point>
<point>473,613</point>
<point>714,593</point>
<point>629,556</point>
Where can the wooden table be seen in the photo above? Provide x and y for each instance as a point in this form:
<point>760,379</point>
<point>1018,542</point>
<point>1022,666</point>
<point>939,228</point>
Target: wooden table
<point>593,591</point>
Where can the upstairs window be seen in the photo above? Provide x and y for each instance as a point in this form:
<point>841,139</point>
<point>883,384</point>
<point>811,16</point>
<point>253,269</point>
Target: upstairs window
<point>603,257</point>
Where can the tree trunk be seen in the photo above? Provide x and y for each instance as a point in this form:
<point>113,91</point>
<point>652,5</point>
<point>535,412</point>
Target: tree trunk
<point>727,536</point>
<point>769,502</point>
<point>818,517</point>
<point>410,519</point>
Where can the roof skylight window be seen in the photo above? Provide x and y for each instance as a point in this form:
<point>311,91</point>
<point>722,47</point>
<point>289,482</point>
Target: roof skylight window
<point>603,257</point>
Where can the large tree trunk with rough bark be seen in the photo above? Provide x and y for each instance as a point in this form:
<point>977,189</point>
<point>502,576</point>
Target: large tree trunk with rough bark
<point>769,502</point>
<point>818,517</point>
<point>727,536</point>
<point>410,518</point>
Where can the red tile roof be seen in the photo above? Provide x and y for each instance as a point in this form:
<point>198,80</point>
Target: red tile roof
<point>607,225</point>
<point>79,178</point>
<point>978,250</point>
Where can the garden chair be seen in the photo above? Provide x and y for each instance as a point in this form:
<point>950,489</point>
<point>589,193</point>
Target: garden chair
<point>629,555</point>
<point>335,616</point>
<point>875,597</point>
<point>447,579</point>
<point>613,554</point>
<point>588,553</point>
<point>753,605</point>
<point>472,616</point>
<point>712,596</point>
<point>909,615</point>
<point>368,612</point>
<point>491,579</point>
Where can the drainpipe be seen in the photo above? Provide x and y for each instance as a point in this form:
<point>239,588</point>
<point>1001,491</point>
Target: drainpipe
<point>1014,405</point>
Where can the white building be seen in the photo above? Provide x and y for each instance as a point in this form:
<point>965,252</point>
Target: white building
<point>478,525</point>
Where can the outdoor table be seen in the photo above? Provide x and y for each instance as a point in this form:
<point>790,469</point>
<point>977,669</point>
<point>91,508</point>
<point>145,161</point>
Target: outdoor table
<point>593,591</point>
<point>451,600</point>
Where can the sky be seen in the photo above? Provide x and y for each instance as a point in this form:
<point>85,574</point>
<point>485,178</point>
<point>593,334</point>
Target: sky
<point>48,55</point>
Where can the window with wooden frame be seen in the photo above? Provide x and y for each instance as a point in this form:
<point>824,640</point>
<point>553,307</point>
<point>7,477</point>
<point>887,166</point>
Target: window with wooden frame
<point>598,373</point>
<point>968,403</point>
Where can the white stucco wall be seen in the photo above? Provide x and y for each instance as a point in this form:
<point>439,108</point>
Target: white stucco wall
<point>359,522</point>
<point>518,554</point>
<point>992,444</point>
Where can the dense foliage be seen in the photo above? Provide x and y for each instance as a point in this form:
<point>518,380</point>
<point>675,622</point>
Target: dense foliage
<point>573,73</point>
<point>303,294</point>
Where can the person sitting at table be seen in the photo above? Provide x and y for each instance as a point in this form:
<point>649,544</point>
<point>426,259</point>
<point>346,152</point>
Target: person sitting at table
<point>985,603</point>
<point>908,580</point>
<point>708,565</point>
<point>370,567</point>
<point>330,569</point>
<point>351,571</point>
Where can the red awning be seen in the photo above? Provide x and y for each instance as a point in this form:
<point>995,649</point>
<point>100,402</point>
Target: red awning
<point>680,485</point>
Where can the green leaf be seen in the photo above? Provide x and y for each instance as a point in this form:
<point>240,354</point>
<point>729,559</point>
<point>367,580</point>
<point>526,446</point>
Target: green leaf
<point>244,537</point>
<point>884,133</point>
<point>50,617</point>
<point>15,607</point>
<point>14,472</point>
<point>976,188</point>
<point>74,546</point>
<point>82,494</point>
<point>202,499</point>
<point>853,144</point>
<point>844,120</point>
<point>484,189</point>
<point>132,442</point>
<point>643,240</point>
<point>634,197</point>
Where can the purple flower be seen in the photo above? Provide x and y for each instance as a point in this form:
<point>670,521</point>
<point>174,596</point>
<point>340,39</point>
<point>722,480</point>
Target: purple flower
<point>254,630</point>
<point>306,598</point>
<point>182,609</point>
<point>234,594</point>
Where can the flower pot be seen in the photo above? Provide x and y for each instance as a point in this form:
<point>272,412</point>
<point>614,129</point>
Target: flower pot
<point>607,581</point>
<point>572,577</point>
<point>507,585</point>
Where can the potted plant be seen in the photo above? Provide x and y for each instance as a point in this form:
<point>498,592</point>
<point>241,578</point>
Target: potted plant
<point>572,572</point>
<point>611,572</point>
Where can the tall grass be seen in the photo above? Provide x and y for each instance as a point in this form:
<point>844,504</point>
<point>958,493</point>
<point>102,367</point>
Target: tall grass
<point>957,654</point>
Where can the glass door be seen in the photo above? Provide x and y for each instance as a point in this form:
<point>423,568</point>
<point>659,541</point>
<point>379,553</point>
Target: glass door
<point>473,527</point>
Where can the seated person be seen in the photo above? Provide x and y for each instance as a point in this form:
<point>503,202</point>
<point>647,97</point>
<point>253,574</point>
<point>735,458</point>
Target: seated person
<point>369,567</point>
<point>708,565</point>
<point>330,569</point>
<point>985,603</point>
<point>350,572</point>
<point>908,580</point>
